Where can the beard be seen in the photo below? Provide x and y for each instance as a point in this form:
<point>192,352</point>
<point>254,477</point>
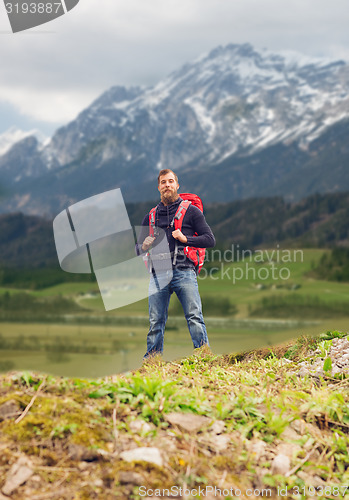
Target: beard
<point>168,197</point>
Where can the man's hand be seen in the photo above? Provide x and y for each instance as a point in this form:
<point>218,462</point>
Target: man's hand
<point>178,235</point>
<point>147,243</point>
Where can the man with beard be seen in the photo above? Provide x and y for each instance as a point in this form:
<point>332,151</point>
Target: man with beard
<point>184,281</point>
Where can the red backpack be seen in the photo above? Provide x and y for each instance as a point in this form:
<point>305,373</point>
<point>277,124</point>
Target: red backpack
<point>196,255</point>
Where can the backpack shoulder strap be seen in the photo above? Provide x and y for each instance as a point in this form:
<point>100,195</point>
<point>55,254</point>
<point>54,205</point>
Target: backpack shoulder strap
<point>152,214</point>
<point>181,211</point>
<point>178,221</point>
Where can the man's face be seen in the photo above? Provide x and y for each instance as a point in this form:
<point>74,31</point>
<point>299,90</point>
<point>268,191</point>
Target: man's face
<point>168,187</point>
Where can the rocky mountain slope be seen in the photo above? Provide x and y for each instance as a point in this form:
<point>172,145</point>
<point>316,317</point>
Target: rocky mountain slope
<point>259,118</point>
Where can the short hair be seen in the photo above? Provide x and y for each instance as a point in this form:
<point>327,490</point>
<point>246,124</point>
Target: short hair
<point>166,171</point>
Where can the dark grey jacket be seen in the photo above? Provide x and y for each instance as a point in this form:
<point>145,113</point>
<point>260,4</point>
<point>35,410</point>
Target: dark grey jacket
<point>193,222</point>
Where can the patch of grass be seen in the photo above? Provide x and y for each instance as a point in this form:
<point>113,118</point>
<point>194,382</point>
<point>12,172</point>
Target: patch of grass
<point>152,396</point>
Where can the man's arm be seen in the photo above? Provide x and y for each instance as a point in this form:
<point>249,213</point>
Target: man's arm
<point>144,241</point>
<point>205,238</point>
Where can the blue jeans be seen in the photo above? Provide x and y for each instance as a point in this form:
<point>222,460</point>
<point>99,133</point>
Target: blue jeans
<point>184,284</point>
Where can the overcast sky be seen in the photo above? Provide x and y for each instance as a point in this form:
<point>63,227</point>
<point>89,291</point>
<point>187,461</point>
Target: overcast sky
<point>50,73</point>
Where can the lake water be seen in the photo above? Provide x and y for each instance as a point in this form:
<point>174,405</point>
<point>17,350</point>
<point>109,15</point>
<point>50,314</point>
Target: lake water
<point>92,351</point>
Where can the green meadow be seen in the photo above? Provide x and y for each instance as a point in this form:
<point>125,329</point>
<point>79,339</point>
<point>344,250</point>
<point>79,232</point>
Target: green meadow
<point>253,302</point>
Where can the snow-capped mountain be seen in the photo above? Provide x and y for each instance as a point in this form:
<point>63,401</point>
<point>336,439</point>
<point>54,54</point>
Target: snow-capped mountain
<point>235,102</point>
<point>13,135</point>
<point>235,98</point>
<point>21,155</point>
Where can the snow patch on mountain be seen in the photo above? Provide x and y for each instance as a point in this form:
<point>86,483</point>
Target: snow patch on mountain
<point>14,135</point>
<point>206,122</point>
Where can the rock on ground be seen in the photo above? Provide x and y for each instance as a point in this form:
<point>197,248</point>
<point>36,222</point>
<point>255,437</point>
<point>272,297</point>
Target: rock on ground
<point>151,455</point>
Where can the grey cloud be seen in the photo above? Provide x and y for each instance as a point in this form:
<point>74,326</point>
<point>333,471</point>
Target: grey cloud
<point>100,45</point>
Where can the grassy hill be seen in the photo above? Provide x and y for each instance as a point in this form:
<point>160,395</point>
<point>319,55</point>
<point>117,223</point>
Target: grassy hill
<point>222,426</point>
